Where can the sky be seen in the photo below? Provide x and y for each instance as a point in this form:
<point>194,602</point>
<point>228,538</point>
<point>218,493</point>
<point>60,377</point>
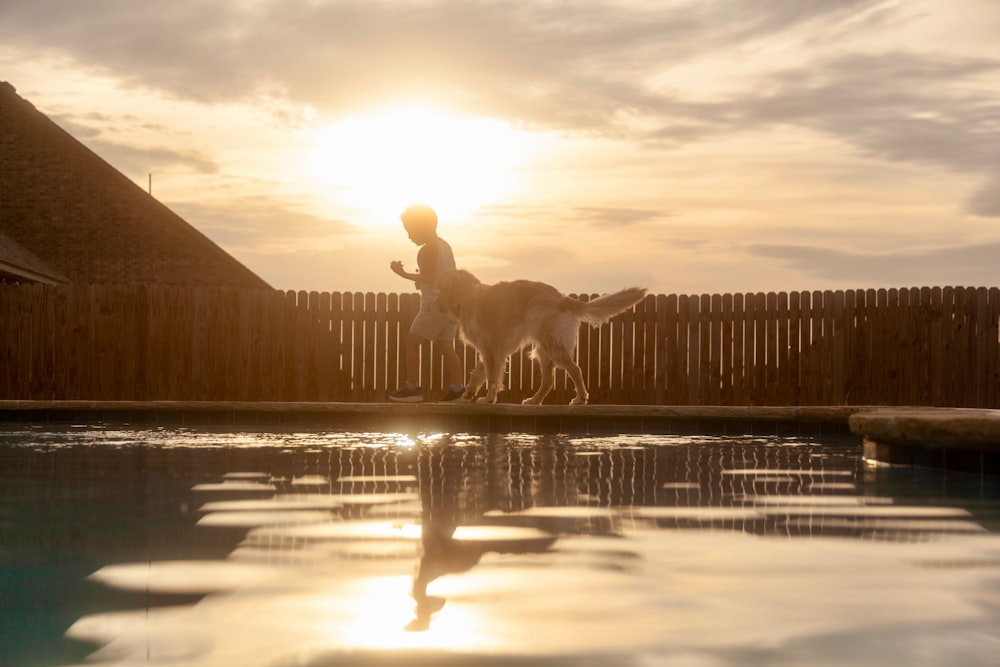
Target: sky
<point>688,146</point>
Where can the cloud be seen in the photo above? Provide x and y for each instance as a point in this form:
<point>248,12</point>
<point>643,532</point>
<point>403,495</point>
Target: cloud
<point>131,159</point>
<point>589,68</point>
<point>547,63</point>
<point>597,216</point>
<point>985,201</point>
<point>249,223</point>
<point>969,265</point>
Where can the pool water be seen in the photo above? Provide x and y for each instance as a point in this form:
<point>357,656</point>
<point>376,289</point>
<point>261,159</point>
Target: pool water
<point>201,547</point>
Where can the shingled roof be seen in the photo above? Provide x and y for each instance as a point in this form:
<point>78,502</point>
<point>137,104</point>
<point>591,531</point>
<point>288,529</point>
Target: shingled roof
<point>67,216</point>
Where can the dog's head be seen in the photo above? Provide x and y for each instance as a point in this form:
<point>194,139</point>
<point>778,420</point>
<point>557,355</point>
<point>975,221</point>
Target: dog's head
<point>453,286</point>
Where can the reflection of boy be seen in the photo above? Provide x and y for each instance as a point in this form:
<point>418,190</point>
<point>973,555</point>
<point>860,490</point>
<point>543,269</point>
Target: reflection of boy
<point>431,323</point>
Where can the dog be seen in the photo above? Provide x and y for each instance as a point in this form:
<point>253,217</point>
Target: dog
<point>498,320</point>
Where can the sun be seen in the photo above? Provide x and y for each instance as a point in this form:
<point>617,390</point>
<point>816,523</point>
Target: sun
<point>379,163</point>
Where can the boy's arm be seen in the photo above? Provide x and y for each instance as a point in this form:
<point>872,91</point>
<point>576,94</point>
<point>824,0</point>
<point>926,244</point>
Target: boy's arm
<point>397,268</point>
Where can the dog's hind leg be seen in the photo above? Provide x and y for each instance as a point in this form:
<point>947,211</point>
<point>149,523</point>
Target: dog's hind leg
<point>476,380</point>
<point>548,376</point>
<point>564,359</point>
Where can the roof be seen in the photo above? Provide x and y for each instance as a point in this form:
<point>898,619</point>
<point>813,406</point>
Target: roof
<point>67,216</point>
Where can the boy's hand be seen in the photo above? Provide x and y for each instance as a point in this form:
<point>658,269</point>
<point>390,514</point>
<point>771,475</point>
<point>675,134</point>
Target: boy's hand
<point>397,268</point>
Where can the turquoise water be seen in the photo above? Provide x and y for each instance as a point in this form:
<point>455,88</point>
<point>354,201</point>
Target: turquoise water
<point>196,547</point>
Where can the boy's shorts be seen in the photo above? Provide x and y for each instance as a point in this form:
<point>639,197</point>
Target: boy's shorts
<point>434,324</point>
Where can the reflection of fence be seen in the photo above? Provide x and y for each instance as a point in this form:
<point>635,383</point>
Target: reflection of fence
<point>117,496</point>
<point>927,346</point>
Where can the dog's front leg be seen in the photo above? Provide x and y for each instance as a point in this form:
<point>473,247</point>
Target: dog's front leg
<point>494,368</point>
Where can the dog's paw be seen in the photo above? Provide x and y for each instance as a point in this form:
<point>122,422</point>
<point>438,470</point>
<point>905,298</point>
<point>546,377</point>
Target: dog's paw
<point>530,401</point>
<point>579,400</point>
<point>486,399</point>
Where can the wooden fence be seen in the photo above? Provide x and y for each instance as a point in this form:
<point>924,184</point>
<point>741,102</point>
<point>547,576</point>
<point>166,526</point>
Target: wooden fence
<point>919,346</point>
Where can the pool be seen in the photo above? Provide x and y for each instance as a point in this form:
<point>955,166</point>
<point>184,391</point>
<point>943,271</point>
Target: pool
<point>177,546</point>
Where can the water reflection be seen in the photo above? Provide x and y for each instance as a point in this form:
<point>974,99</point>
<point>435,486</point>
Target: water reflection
<point>333,548</point>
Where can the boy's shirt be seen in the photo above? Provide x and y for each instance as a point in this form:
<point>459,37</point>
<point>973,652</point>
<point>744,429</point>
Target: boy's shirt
<point>434,258</point>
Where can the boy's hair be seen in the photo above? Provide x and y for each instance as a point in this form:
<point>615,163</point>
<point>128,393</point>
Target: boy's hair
<point>420,216</point>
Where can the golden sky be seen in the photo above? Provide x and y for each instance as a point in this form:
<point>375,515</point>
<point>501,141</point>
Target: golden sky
<point>689,146</point>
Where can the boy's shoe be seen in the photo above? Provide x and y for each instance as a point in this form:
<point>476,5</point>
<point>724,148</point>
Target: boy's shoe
<point>406,394</point>
<point>453,396</point>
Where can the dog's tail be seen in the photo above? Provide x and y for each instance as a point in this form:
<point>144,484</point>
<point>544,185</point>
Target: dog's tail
<point>603,308</point>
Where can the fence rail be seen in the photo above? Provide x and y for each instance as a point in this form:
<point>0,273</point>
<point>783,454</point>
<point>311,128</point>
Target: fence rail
<point>916,346</point>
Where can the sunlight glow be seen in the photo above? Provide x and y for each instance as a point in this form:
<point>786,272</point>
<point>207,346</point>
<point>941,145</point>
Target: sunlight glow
<point>380,163</point>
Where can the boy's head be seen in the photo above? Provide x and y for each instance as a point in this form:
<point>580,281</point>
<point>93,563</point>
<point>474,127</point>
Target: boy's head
<point>419,219</point>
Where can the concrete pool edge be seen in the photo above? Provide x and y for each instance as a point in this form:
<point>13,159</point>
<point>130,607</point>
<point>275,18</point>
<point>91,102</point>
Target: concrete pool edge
<point>957,439</point>
<point>960,439</point>
<point>500,418</point>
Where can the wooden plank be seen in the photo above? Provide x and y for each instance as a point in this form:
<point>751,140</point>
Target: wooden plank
<point>935,347</point>
<point>907,349</point>
<point>711,346</point>
<point>261,349</point>
<point>341,358</point>
<point>981,366</point>
<point>811,332</point>
<point>665,340</point>
<point>603,393</point>
<point>380,352</point>
<point>993,338</point>
<point>752,384</point>
<point>894,344</point>
<point>644,353</point>
<point>840,347</point>
<point>760,356</point>
<point>785,393</point>
<point>347,346</point>
<point>42,341</point>
<point>679,375</point>
<point>368,352</point>
<point>324,351</point>
<point>964,310</point>
<point>688,348</point>
<point>726,396</point>
<point>629,383</point>
<point>615,361</point>
<point>949,334</point>
<point>828,394</point>
<point>25,355</point>
<point>359,374</point>
<point>794,391</point>
<point>740,393</point>
<point>865,303</point>
<point>393,340</point>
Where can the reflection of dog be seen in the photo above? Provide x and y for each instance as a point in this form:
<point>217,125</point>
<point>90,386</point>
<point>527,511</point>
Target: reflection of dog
<point>500,319</point>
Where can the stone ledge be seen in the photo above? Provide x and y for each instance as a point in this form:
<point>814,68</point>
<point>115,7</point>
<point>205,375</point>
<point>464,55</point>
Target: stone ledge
<point>468,417</point>
<point>930,427</point>
<point>954,439</point>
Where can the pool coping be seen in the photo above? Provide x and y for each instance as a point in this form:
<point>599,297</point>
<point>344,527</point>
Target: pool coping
<point>960,439</point>
<point>465,417</point>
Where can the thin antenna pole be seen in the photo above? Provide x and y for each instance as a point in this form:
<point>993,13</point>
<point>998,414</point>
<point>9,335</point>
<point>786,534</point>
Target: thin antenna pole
<point>150,184</point>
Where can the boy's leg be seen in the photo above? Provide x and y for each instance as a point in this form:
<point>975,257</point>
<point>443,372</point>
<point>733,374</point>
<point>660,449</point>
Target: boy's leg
<point>411,351</point>
<point>409,391</point>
